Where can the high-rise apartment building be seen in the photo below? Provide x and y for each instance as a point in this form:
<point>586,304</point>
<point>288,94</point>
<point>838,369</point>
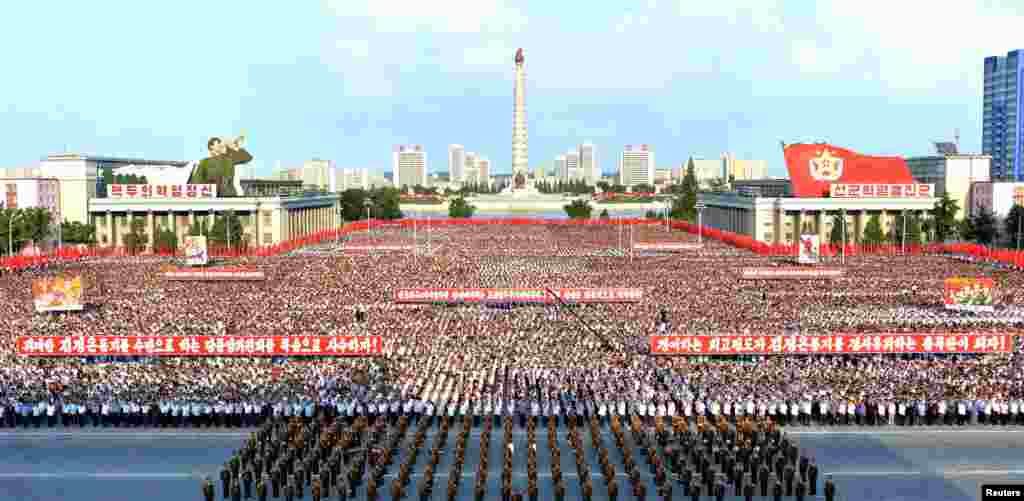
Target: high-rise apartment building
<point>483,169</point>
<point>471,168</point>
<point>456,163</point>
<point>319,173</point>
<point>636,165</point>
<point>589,168</point>
<point>561,167</point>
<point>572,166</point>
<point>744,170</point>
<point>353,179</point>
<point>1002,130</point>
<point>409,166</point>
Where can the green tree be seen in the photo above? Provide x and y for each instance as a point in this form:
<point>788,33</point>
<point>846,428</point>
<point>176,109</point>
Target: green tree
<point>201,227</point>
<point>650,214</point>
<point>78,233</point>
<point>604,186</point>
<point>578,209</point>
<point>643,188</point>
<point>227,232</point>
<point>137,238</point>
<point>873,234</point>
<point>353,206</point>
<point>984,225</point>
<point>460,208</point>
<point>604,214</point>
<point>1013,226</point>
<point>386,203</point>
<point>913,229</point>
<point>965,229</point>
<point>835,236</point>
<point>36,224</point>
<point>165,240</point>
<point>944,217</point>
<point>685,205</point>
<point>30,225</point>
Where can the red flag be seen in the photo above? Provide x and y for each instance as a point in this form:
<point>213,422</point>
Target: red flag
<point>813,167</point>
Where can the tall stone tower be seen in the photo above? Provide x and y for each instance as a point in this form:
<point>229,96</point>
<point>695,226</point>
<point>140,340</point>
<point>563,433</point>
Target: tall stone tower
<point>519,138</point>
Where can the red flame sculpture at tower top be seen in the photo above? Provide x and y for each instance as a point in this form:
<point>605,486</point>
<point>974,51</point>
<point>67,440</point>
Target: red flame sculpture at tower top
<point>519,57</point>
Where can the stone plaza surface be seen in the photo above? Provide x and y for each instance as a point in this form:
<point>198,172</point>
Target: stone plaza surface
<point>165,465</point>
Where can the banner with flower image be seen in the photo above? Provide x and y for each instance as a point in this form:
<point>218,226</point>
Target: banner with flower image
<point>969,294</point>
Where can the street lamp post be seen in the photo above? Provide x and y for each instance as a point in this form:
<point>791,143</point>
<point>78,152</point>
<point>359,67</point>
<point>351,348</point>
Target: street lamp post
<point>903,244</point>
<point>337,231</point>
<point>1019,218</point>
<point>700,223</point>
<point>368,204</point>
<point>619,220</point>
<point>844,237</point>
<point>10,233</point>
<point>664,210</point>
<point>227,227</point>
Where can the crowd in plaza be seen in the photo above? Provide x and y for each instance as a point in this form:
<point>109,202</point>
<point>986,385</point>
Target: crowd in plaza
<point>526,361</point>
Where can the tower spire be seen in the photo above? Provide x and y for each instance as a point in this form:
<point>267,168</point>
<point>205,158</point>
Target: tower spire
<point>519,132</point>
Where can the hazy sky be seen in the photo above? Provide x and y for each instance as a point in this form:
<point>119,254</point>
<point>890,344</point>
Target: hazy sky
<point>347,79</point>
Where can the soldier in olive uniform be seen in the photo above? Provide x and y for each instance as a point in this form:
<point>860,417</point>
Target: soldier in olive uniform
<point>261,490</point>
<point>208,490</point>
<point>225,480</point>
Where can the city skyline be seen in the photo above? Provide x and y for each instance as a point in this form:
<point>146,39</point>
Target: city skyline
<point>346,80</point>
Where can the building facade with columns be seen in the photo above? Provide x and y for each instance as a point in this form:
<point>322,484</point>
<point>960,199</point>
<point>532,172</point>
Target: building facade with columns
<point>778,220</point>
<point>265,220</point>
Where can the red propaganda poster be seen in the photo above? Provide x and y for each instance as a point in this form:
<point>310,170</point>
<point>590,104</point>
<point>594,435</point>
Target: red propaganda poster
<point>59,293</point>
<point>813,168</point>
<point>969,294</point>
<point>523,296</point>
<point>790,273</point>
<point>839,344</point>
<point>200,346</point>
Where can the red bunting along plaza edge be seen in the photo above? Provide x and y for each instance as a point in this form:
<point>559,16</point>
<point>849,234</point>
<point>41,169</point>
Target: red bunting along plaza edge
<point>825,181</point>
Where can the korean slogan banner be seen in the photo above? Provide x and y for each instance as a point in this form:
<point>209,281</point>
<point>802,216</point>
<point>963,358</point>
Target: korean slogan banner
<point>200,346</point>
<point>969,294</point>
<point>59,293</point>
<point>524,296</point>
<point>840,343</point>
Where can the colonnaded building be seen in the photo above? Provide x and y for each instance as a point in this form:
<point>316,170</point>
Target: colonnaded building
<point>824,181</point>
<point>269,214</point>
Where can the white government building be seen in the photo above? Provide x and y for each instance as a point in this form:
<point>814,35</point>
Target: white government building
<point>81,196</point>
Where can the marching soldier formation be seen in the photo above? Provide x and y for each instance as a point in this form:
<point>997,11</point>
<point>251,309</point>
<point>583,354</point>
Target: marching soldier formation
<point>331,458</point>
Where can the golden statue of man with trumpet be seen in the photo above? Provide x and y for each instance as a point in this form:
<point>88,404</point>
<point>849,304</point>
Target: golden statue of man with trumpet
<point>219,167</point>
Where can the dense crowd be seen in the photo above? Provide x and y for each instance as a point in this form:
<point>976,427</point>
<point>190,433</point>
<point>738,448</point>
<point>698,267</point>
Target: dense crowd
<point>474,360</point>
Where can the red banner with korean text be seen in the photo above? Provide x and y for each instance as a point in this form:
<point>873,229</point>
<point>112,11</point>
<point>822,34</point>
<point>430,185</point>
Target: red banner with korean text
<point>665,246</point>
<point>814,167</point>
<point>835,344</point>
<point>791,273</point>
<point>199,346</point>
<point>214,274</point>
<point>527,296</point>
<point>162,191</point>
